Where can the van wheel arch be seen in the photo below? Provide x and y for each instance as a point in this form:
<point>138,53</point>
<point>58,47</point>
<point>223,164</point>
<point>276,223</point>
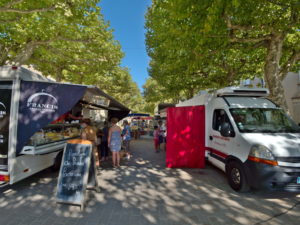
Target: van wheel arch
<point>230,159</point>
<point>236,175</point>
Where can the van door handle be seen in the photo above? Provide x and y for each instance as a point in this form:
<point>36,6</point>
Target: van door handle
<point>211,138</point>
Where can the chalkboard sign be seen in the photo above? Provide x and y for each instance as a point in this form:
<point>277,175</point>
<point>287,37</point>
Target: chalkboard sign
<point>74,172</point>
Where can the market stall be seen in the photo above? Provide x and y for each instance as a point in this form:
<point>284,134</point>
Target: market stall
<point>39,115</point>
<point>47,129</point>
<point>140,124</point>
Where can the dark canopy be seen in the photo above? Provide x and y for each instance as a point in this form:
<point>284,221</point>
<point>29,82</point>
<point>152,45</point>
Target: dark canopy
<point>115,108</point>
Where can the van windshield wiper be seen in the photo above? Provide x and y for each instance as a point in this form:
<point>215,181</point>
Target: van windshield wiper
<point>268,131</point>
<point>251,130</point>
<point>289,130</point>
<point>256,130</point>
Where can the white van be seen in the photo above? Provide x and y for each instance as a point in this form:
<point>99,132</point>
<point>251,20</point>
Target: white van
<point>31,137</point>
<point>251,139</point>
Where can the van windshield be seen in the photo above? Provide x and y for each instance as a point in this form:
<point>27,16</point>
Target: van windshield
<point>257,120</point>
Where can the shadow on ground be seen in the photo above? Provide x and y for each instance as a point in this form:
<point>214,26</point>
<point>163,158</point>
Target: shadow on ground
<point>143,191</point>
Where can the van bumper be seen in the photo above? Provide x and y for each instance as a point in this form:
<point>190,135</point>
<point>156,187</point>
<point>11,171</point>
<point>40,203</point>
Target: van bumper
<point>267,177</point>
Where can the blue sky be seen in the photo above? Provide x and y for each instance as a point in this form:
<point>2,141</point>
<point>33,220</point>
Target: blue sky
<point>126,18</point>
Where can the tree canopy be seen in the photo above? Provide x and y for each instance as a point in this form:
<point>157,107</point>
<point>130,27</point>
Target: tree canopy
<point>217,43</point>
<point>68,40</point>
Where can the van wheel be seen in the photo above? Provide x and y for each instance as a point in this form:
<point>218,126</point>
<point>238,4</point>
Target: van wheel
<point>57,162</point>
<point>237,177</point>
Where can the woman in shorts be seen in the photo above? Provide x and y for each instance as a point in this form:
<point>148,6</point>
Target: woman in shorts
<point>115,141</point>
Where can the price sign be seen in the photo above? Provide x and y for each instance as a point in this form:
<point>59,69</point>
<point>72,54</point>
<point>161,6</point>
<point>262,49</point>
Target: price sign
<point>74,172</point>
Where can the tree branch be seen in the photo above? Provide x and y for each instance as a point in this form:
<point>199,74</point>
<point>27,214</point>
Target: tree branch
<point>73,40</point>
<point>238,27</point>
<point>11,20</point>
<point>260,44</point>
<point>278,3</point>
<point>36,43</point>
<point>3,55</point>
<point>294,17</point>
<point>27,52</point>
<point>9,10</point>
<point>234,39</point>
<point>10,4</point>
<point>290,63</point>
<point>61,53</point>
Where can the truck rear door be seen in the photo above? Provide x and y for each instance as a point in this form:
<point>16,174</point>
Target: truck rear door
<point>186,137</point>
<point>5,106</point>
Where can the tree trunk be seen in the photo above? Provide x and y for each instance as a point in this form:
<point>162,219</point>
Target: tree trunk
<point>190,92</point>
<point>272,70</point>
<point>3,55</point>
<point>59,74</point>
<point>25,54</point>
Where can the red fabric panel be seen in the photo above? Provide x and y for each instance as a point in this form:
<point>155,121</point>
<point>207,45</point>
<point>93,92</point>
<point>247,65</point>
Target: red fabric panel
<point>186,137</point>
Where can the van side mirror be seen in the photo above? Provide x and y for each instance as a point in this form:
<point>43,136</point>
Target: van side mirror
<point>226,130</point>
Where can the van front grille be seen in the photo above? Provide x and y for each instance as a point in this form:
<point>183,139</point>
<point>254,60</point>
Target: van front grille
<point>289,159</point>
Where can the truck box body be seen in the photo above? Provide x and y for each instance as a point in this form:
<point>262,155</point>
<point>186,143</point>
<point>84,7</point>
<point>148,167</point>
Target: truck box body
<point>29,103</point>
<point>250,138</point>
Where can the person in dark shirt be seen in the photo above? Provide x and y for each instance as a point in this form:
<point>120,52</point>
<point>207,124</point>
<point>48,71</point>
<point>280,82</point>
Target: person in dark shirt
<point>104,142</point>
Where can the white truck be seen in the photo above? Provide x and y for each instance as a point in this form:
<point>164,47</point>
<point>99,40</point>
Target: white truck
<point>29,103</point>
<point>250,138</point>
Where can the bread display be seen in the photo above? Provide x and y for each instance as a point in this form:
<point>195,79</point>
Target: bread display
<point>53,133</point>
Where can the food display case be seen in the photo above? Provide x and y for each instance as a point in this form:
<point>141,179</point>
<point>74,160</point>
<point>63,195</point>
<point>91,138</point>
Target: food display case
<point>51,138</point>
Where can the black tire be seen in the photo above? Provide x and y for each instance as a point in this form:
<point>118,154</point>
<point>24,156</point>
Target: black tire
<point>236,177</point>
<point>57,162</point>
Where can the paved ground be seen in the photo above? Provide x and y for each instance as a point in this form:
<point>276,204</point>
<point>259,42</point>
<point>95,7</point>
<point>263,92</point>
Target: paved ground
<point>144,192</point>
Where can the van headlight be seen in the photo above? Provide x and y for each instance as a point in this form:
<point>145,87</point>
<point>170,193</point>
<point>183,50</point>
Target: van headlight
<point>261,152</point>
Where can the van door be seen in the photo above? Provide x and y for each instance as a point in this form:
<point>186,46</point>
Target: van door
<point>219,146</point>
<point>5,102</point>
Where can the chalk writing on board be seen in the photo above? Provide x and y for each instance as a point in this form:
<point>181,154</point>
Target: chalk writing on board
<point>73,176</point>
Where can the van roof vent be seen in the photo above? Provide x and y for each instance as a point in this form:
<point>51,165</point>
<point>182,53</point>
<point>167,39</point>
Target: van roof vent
<point>242,91</point>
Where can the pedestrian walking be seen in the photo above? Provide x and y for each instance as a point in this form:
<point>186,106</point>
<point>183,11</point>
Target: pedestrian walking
<point>161,137</point>
<point>156,139</point>
<point>98,142</point>
<point>104,142</point>
<point>115,141</point>
<point>126,137</point>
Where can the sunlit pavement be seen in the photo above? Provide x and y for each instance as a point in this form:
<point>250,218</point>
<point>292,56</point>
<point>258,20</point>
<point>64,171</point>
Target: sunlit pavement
<point>142,192</point>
